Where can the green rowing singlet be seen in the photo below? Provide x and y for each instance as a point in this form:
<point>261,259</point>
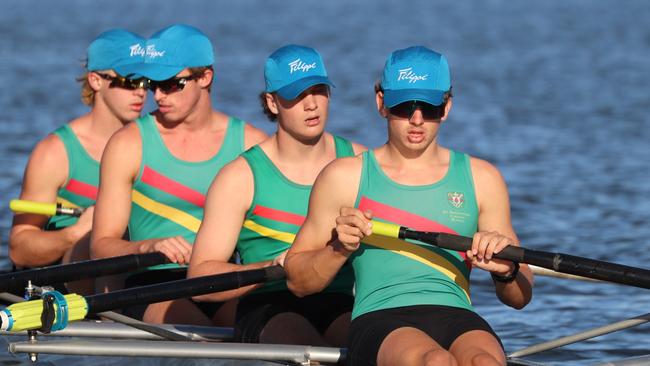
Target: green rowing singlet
<point>277,211</point>
<point>80,189</point>
<point>169,194</point>
<point>393,273</point>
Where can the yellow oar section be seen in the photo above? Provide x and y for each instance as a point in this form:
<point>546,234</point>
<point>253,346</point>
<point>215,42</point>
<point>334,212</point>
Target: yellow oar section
<point>27,315</point>
<point>48,209</point>
<point>384,229</point>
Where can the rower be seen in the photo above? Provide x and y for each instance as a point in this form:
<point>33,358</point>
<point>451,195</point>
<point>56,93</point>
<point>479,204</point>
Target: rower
<point>155,172</point>
<point>64,166</point>
<point>412,304</point>
<point>257,203</point>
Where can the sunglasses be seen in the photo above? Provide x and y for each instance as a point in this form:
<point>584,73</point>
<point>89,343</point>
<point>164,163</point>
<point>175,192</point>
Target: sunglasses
<point>405,110</point>
<point>124,82</point>
<point>172,85</point>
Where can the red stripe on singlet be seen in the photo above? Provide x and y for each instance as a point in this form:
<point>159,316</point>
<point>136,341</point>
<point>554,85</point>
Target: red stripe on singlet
<point>82,189</point>
<point>277,215</point>
<point>168,185</point>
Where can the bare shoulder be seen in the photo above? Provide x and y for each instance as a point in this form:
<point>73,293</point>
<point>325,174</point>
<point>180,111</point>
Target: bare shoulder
<point>128,131</point>
<point>253,135</point>
<point>342,167</point>
<point>49,151</point>
<point>232,188</point>
<point>125,141</point>
<point>491,192</point>
<point>484,172</point>
<point>122,155</point>
<point>340,177</point>
<point>235,172</point>
<point>47,168</point>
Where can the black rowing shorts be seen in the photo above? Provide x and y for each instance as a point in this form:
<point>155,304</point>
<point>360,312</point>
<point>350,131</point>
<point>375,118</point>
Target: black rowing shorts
<point>254,311</point>
<point>442,323</point>
<point>154,277</point>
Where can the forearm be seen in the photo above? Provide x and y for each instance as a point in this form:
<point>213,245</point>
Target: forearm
<point>216,267</point>
<point>113,247</point>
<point>309,272</point>
<point>519,292</point>
<point>36,248</point>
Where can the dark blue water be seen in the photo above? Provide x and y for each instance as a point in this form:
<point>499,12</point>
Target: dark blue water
<point>555,93</point>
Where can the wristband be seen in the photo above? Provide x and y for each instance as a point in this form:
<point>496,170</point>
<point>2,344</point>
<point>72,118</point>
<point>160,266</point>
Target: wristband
<point>509,278</point>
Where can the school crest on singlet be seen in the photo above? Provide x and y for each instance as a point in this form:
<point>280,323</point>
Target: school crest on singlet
<point>456,199</point>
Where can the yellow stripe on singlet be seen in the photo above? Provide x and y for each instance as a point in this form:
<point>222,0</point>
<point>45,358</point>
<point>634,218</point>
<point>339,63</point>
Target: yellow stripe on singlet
<point>269,233</point>
<point>172,214</point>
<point>421,255</point>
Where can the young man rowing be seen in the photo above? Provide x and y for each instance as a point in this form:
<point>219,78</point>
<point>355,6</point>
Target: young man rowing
<point>412,304</point>
<point>155,173</point>
<point>64,167</point>
<point>257,203</point>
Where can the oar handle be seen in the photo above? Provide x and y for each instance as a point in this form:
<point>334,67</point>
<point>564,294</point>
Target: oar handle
<point>459,243</point>
<point>443,240</point>
<point>462,244</point>
<point>40,208</point>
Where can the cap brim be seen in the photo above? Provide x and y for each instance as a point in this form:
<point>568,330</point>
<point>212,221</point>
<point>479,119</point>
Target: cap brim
<point>129,71</point>
<point>395,97</point>
<point>293,90</point>
<point>150,71</point>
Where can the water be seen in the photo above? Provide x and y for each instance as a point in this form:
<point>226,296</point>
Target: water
<point>555,93</point>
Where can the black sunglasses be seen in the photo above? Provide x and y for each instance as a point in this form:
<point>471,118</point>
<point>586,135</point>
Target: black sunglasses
<point>405,110</point>
<point>172,85</point>
<point>124,82</point>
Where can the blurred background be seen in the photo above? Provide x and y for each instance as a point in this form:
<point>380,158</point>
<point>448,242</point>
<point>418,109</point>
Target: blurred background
<point>555,93</point>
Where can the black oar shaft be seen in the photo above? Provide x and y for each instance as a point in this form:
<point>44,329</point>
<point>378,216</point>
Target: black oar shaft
<point>182,288</point>
<point>456,242</point>
<point>596,269</point>
<point>16,281</point>
<point>559,262</point>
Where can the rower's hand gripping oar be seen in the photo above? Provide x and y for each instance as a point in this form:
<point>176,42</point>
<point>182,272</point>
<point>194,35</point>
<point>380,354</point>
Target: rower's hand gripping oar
<point>558,262</point>
<point>47,209</point>
<point>72,307</point>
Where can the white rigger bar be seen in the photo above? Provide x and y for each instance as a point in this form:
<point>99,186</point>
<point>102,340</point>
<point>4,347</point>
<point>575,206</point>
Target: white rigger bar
<point>236,351</point>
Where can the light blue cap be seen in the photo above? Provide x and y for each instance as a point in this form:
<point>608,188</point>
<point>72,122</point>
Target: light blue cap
<point>173,49</point>
<point>116,49</point>
<point>292,69</point>
<point>415,73</point>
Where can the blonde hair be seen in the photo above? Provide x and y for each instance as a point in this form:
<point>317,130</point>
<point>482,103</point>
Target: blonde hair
<point>87,93</point>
